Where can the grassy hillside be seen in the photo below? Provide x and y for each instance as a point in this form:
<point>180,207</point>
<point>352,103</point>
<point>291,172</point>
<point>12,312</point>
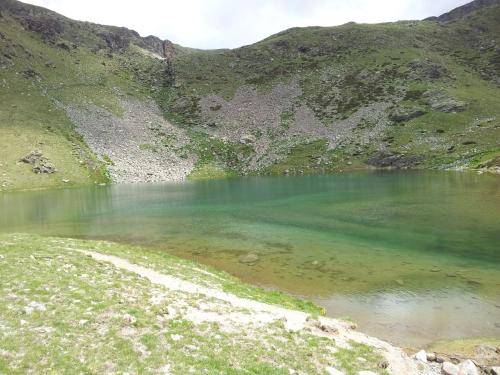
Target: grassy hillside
<point>42,72</point>
<point>439,82</point>
<point>415,94</point>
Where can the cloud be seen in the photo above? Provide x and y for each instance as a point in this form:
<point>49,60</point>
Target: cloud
<point>233,23</point>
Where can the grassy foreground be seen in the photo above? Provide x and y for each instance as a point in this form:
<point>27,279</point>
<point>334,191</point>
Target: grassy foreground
<point>64,312</point>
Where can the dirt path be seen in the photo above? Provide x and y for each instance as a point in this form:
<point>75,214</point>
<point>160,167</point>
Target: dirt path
<point>341,332</point>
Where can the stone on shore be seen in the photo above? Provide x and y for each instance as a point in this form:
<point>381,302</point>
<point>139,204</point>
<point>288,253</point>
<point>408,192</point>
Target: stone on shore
<point>421,356</point>
<point>450,369</point>
<point>468,368</point>
<point>431,357</point>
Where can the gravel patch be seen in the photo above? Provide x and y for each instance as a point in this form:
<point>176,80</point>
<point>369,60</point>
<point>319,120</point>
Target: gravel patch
<point>140,146</point>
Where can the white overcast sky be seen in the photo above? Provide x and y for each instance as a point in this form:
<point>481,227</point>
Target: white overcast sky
<point>233,23</point>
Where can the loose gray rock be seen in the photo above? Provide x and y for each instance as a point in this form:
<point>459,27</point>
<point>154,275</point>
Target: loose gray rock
<point>247,139</point>
<point>44,168</point>
<point>439,359</point>
<point>33,157</point>
<point>333,371</point>
<point>431,357</point>
<point>139,146</point>
<point>39,162</point>
<point>450,369</point>
<point>421,356</point>
<point>468,368</point>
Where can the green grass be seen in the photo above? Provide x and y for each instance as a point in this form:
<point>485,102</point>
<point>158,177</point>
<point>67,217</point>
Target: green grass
<point>301,159</point>
<point>63,312</point>
<point>339,70</point>
<point>31,113</point>
<point>344,68</point>
<point>209,171</point>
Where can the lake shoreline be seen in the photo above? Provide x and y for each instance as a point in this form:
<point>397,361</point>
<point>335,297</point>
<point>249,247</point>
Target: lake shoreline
<point>355,243</point>
<point>44,252</point>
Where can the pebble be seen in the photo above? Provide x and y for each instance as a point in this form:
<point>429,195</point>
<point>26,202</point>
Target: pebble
<point>333,371</point>
<point>129,318</point>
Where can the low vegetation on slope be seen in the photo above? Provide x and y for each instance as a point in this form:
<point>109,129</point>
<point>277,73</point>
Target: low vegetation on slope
<point>53,69</point>
<point>65,312</point>
<point>80,97</point>
<point>413,94</point>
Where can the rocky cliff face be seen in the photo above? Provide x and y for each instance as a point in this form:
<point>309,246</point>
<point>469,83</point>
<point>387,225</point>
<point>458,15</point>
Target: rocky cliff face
<point>52,27</point>
<point>464,10</point>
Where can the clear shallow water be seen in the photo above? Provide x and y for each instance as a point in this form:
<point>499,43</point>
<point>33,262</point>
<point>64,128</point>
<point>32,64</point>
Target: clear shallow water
<point>411,257</point>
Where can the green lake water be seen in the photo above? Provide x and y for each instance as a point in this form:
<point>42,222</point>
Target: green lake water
<point>412,257</point>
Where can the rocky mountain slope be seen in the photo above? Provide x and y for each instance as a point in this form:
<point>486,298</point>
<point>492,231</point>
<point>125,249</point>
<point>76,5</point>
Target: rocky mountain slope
<point>87,100</point>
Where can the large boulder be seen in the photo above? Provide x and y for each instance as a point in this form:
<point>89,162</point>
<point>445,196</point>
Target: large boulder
<point>441,102</point>
<point>402,114</point>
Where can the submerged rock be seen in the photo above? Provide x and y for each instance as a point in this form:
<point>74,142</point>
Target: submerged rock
<point>249,258</point>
